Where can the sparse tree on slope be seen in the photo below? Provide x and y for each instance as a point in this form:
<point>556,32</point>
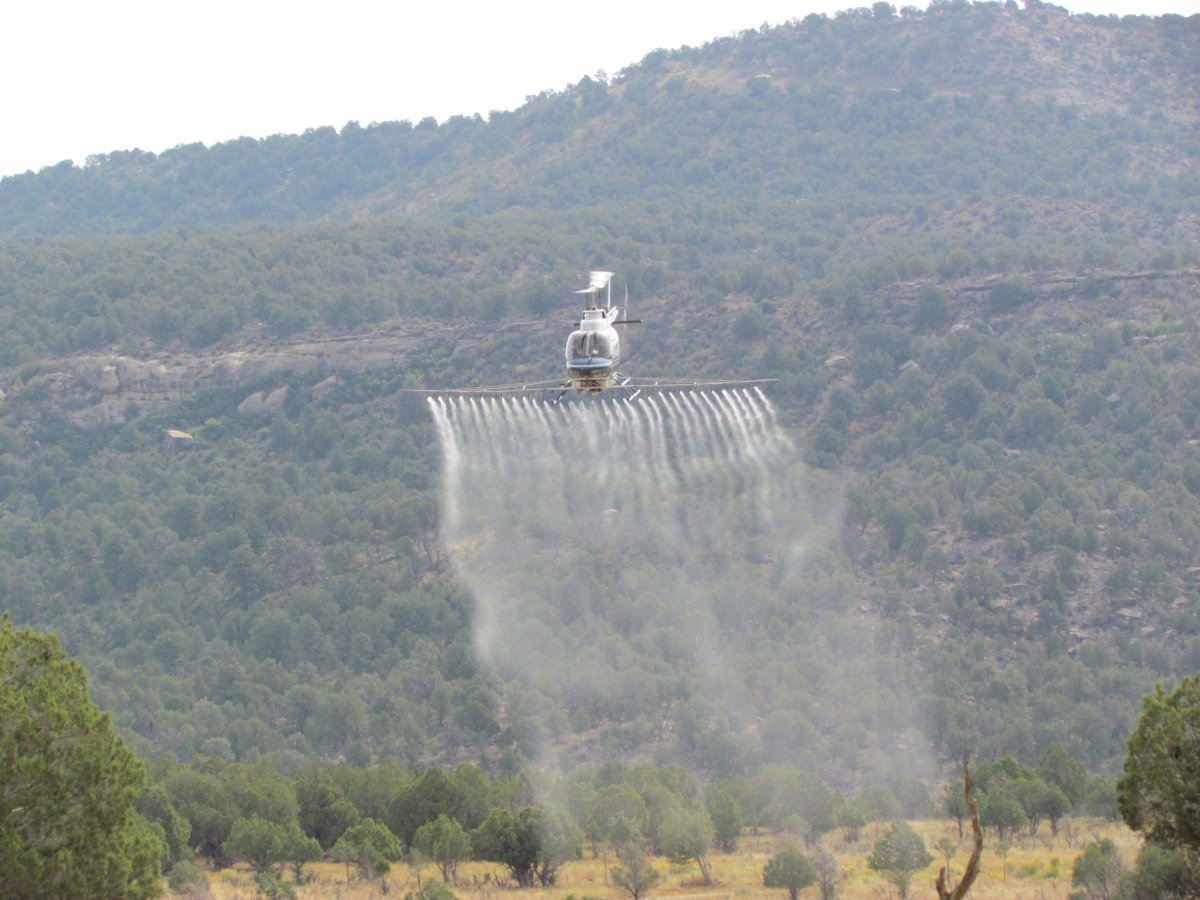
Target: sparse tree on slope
<point>686,835</point>
<point>1096,874</point>
<point>258,842</point>
<point>899,855</point>
<point>298,850</point>
<point>636,874</point>
<point>789,869</point>
<point>368,846</point>
<point>446,843</point>
<point>534,844</point>
<point>726,820</point>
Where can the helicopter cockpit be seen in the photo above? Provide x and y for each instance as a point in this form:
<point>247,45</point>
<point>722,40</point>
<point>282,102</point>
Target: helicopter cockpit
<point>593,351</point>
<point>592,348</point>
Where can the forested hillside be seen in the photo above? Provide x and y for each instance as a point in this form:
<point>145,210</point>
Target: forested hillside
<point>963,239</point>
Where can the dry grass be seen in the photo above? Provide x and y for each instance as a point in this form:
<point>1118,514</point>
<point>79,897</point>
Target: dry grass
<point>1037,868</point>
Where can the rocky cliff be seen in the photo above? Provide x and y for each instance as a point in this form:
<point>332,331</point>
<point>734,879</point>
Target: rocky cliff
<point>96,389</point>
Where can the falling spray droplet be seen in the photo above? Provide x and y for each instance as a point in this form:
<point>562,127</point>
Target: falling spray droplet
<point>586,530</point>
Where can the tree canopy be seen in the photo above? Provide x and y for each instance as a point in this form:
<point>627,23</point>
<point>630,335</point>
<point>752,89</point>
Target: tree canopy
<point>1159,791</point>
<point>899,855</point>
<point>370,847</point>
<point>68,784</point>
<point>789,869</point>
<point>534,844</point>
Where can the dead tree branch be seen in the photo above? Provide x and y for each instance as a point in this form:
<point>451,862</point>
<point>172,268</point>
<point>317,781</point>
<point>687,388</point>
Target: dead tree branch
<point>960,890</point>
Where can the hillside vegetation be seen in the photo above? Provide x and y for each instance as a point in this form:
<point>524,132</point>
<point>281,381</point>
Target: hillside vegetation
<point>964,240</point>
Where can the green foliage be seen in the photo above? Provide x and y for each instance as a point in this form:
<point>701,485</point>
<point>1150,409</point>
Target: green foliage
<point>726,818</point>
<point>300,849</point>
<point>1160,872</point>
<point>260,843</point>
<point>431,890</point>
<point>269,886</point>
<point>932,309</point>
<point>201,799</point>
<point>1006,296</point>
<point>801,794</point>
<point>790,870</point>
<point>1096,874</point>
<point>686,834</point>
<point>1157,793</point>
<point>1069,775</point>
<point>875,804</point>
<point>534,844</point>
<point>914,799</point>
<point>324,811</point>
<point>68,782</point>
<point>616,814</point>
<point>1101,799</point>
<point>183,875</point>
<point>636,874</point>
<point>369,847</point>
<point>463,795</point>
<point>954,804</point>
<point>154,806</point>
<point>899,855</point>
<point>852,817</point>
<point>964,394</point>
<point>445,842</point>
<point>1041,800</point>
<point>751,324</point>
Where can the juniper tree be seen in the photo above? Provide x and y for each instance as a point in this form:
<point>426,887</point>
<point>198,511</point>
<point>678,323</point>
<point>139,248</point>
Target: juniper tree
<point>68,784</point>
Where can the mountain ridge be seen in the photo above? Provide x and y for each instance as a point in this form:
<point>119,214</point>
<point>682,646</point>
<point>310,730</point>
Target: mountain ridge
<point>854,51</point>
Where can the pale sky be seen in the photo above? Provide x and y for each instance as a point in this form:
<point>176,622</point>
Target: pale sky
<point>79,77</point>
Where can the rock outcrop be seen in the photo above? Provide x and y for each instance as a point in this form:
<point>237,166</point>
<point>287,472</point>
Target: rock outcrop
<point>95,389</point>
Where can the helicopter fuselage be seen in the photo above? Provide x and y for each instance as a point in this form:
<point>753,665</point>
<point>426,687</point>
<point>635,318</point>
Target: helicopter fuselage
<point>594,350</point>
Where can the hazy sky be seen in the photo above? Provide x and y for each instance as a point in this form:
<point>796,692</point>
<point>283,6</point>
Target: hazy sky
<point>86,77</point>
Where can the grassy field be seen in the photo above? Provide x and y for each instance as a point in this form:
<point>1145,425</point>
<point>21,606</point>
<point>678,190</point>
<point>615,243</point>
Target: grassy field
<point>1036,868</point>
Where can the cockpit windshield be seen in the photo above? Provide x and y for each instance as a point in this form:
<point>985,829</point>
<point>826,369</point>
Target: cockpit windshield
<point>589,345</point>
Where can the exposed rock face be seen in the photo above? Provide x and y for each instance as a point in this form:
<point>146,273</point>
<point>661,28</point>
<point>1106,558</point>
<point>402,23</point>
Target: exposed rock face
<point>322,388</point>
<point>93,390</point>
<point>252,404</point>
<point>174,439</point>
<point>262,402</point>
<point>96,389</point>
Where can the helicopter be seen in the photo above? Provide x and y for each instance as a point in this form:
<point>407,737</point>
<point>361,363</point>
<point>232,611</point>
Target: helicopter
<point>593,352</point>
<point>594,348</point>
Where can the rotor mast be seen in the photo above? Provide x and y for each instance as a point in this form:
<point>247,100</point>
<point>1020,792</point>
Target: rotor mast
<point>597,282</point>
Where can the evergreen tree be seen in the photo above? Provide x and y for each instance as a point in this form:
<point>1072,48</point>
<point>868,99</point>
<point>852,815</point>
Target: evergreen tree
<point>1159,792</point>
<point>636,874</point>
<point>534,844</point>
<point>899,855</point>
<point>1096,874</point>
<point>258,842</point>
<point>68,784</point>
<point>370,847</point>
<point>789,869</point>
<point>446,843</point>
<point>726,820</point>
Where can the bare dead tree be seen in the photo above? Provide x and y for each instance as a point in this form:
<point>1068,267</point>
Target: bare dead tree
<point>972,870</point>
